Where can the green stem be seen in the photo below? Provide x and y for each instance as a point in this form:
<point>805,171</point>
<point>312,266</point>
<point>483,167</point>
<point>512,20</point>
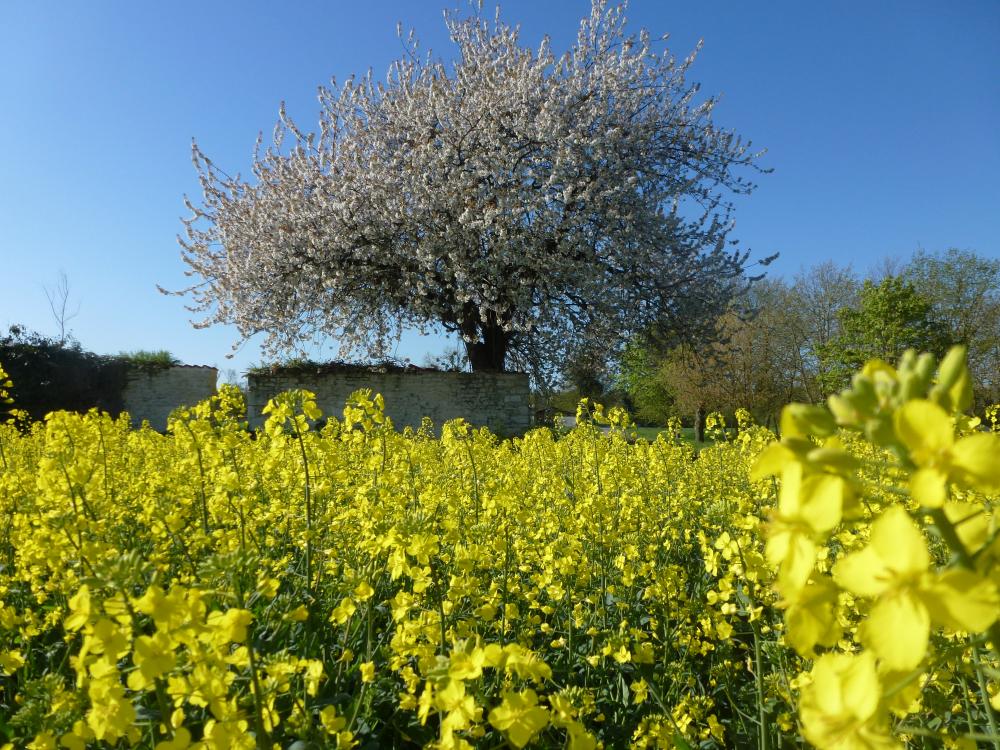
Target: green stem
<point>161,700</point>
<point>985,696</point>
<point>309,514</point>
<point>262,741</point>
<point>765,737</point>
<point>475,477</point>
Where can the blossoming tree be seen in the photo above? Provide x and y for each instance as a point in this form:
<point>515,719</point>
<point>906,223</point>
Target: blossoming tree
<point>528,202</point>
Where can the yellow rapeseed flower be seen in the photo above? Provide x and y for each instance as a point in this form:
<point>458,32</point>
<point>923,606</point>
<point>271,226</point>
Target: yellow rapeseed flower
<point>928,434</point>
<point>519,717</point>
<point>840,707</point>
<point>895,570</point>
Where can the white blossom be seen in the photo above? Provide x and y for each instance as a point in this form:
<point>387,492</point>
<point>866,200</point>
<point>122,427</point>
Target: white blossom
<point>528,203</point>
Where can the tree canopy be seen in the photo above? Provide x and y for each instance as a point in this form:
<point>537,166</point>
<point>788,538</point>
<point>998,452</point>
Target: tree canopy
<point>891,317</point>
<point>963,290</point>
<point>751,363</point>
<point>531,203</point>
<point>800,339</point>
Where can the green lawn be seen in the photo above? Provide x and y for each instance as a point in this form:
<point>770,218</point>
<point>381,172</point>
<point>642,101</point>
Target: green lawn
<point>687,435</point>
<point>650,433</point>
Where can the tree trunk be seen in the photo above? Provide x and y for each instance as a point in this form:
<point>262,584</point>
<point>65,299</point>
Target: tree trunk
<point>699,424</point>
<point>490,354</point>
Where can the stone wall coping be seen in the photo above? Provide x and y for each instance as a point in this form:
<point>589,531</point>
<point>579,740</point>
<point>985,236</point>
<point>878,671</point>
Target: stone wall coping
<point>320,373</point>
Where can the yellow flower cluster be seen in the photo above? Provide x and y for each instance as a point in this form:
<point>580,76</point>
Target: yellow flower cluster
<point>351,585</point>
<point>887,557</point>
<point>359,586</point>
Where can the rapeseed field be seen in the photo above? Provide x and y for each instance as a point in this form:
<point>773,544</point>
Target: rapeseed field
<point>358,586</point>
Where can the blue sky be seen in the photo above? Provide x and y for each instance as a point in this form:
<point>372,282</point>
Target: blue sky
<point>881,121</point>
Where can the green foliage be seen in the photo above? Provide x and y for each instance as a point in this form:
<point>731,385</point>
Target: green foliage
<point>640,378</point>
<point>963,289</point>
<point>295,365</point>
<point>801,339</point>
<point>743,365</point>
<point>149,360</point>
<point>891,317</point>
<point>58,375</point>
<point>52,376</point>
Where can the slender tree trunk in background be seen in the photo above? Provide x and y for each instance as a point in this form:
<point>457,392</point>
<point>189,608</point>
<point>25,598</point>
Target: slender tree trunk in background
<point>699,424</point>
<point>58,298</point>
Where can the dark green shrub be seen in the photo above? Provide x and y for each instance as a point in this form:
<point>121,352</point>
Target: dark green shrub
<point>49,375</point>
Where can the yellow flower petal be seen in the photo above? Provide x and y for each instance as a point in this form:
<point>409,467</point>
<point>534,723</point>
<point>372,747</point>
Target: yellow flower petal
<point>899,542</point>
<point>976,461</point>
<point>863,573</point>
<point>519,717</point>
<point>924,428</point>
<point>860,685</point>
<point>929,487</point>
<point>795,556</point>
<point>971,522</point>
<point>823,501</point>
<point>812,619</point>
<point>803,420</point>
<point>839,708</point>
<point>897,630</point>
<point>772,461</point>
<point>961,600</point>
<point>79,607</point>
<point>790,493</point>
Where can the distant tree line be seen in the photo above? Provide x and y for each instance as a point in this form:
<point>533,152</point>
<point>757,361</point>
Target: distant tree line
<point>799,340</point>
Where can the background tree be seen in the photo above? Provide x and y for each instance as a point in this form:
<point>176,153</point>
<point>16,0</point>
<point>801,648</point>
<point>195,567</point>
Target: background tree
<point>52,374</point>
<point>811,310</point>
<point>586,375</point>
<point>890,318</point>
<point>745,367</point>
<point>963,290</point>
<point>59,305</point>
<point>639,377</point>
<point>690,374</point>
<point>802,339</point>
<point>755,361</point>
<point>526,201</point>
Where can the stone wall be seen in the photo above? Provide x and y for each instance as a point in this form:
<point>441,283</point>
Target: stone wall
<point>152,395</point>
<point>495,400</point>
